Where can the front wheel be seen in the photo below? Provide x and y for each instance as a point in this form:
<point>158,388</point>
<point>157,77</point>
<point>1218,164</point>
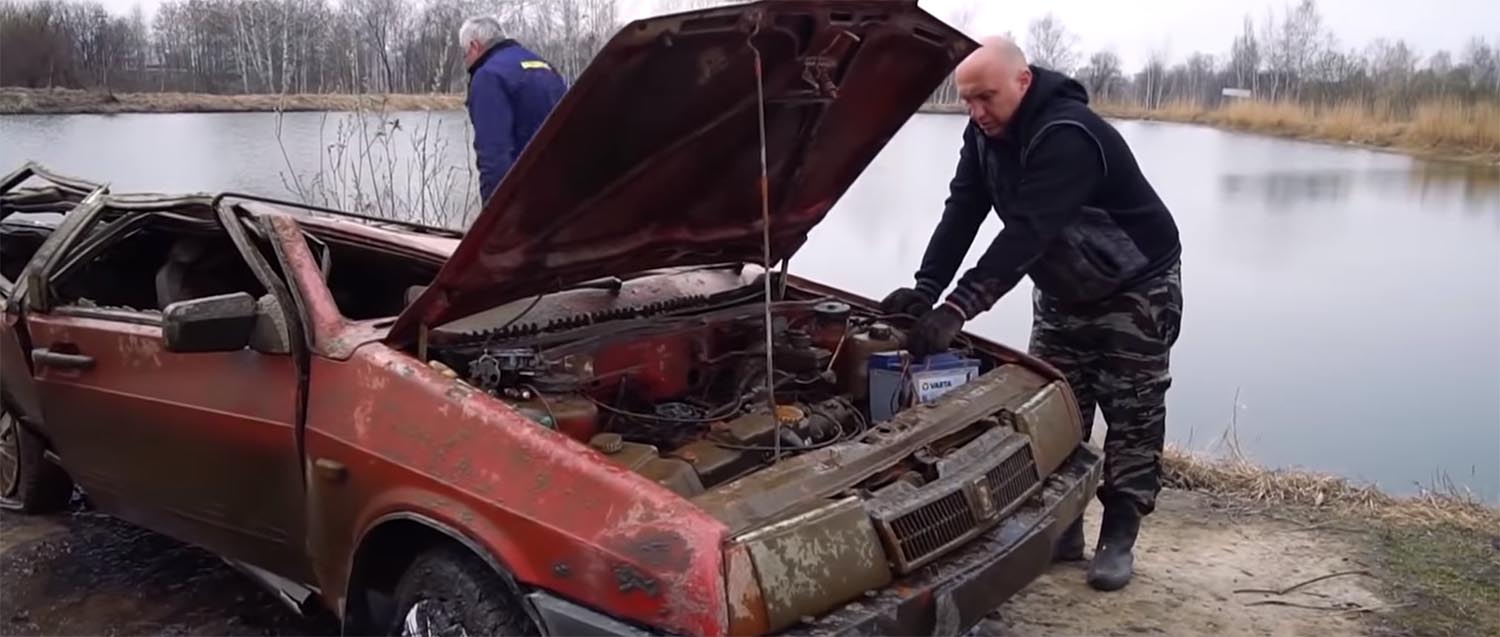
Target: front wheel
<point>448,591</point>
<point>28,481</point>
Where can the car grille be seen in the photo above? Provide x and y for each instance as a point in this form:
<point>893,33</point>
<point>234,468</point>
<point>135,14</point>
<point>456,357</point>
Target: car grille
<point>930,528</point>
<point>1012,480</point>
<point>952,511</point>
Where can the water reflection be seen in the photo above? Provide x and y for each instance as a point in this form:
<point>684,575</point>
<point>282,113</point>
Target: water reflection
<point>1279,189</point>
<point>1477,185</point>
<point>1437,185</point>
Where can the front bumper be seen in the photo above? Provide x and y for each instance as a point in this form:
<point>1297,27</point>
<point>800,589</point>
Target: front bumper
<point>947,597</point>
<point>557,616</point>
<point>952,594</point>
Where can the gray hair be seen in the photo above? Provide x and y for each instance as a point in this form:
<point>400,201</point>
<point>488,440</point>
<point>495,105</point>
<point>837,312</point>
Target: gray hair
<point>483,30</point>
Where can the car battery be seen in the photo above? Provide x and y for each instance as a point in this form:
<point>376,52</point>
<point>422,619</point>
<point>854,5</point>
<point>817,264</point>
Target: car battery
<point>892,389</point>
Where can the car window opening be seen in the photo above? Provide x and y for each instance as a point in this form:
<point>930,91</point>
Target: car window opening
<point>367,283</point>
<point>157,265</point>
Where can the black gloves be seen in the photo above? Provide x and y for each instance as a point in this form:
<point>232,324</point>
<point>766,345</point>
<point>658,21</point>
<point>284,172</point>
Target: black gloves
<point>907,301</point>
<point>934,332</point>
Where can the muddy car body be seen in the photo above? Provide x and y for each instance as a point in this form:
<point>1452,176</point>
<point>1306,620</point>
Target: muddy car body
<point>564,413</point>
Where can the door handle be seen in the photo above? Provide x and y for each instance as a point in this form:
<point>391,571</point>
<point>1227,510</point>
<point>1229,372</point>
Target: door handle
<point>59,360</point>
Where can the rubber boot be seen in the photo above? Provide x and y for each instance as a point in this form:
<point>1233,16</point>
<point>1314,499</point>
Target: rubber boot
<point>1113,561</point>
<point>1069,547</point>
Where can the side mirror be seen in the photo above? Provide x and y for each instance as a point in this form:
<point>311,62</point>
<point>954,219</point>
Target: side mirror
<point>220,323</point>
<point>271,334</point>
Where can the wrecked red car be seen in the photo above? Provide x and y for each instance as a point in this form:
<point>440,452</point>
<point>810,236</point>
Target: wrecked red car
<point>595,412</point>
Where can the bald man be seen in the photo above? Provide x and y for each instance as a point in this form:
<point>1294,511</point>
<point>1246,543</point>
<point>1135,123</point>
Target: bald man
<point>1102,252</point>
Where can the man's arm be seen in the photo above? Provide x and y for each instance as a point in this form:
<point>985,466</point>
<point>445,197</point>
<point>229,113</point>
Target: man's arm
<point>964,211</point>
<point>1062,171</point>
<point>494,145</point>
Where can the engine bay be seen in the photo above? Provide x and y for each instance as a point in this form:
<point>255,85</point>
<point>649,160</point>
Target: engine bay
<point>682,397</point>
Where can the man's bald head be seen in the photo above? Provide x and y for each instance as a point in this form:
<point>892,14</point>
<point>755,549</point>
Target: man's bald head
<point>992,81</point>
<point>994,52</point>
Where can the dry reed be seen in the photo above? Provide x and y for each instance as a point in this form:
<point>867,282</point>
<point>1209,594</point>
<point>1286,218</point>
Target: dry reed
<point>1442,126</point>
<point>1234,476</point>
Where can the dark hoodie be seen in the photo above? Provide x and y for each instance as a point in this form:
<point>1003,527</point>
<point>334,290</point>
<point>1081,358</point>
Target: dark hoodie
<point>1080,218</point>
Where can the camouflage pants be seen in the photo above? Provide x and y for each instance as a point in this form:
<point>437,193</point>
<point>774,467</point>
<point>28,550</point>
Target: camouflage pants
<point>1115,355</point>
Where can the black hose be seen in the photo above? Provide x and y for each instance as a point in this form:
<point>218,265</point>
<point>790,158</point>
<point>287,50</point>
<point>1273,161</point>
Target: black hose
<point>713,416</point>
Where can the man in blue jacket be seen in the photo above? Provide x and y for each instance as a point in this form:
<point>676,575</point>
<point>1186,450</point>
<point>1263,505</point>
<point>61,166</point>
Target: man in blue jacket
<point>511,92</point>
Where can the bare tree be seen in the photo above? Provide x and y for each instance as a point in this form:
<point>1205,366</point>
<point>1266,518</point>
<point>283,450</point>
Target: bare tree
<point>1276,59</point>
<point>960,17</point>
<point>1392,67</point>
<point>1102,75</point>
<point>1050,45</point>
<point>1198,81</point>
<point>410,46</point>
<point>1152,79</point>
<point>1483,64</point>
<point>1244,58</point>
<point>1302,41</point>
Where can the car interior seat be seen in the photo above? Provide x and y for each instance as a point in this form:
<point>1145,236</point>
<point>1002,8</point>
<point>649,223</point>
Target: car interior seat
<point>179,277</point>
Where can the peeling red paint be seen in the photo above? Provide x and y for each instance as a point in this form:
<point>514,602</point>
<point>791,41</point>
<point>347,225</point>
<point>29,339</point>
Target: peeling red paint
<point>488,467</point>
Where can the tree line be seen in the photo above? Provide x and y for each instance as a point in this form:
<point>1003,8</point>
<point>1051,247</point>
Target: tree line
<point>1291,57</point>
<point>280,46</point>
<point>410,46</point>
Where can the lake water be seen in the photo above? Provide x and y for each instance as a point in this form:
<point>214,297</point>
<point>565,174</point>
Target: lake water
<point>1349,298</point>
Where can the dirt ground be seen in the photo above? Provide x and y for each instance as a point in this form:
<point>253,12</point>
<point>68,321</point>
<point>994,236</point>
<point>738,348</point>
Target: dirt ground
<point>89,574</point>
<point>85,573</point>
<point>1193,555</point>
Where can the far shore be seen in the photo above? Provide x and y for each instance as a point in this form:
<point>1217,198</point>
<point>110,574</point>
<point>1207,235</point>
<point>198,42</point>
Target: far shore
<point>27,101</point>
<point>1440,131</point>
<point>1443,130</point>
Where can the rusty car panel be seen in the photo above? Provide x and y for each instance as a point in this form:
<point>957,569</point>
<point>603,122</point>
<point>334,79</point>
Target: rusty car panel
<point>567,521</point>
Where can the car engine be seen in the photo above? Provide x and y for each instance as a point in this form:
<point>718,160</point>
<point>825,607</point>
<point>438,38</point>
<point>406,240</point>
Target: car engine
<point>682,397</point>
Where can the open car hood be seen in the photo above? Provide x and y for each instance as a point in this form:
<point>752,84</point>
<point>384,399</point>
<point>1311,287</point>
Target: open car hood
<point>653,158</point>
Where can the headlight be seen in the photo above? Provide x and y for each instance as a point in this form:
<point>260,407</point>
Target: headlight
<point>1051,421</point>
<point>804,565</point>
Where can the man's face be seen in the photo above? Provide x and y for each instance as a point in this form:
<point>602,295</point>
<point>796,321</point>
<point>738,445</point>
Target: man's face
<point>472,53</point>
<point>992,92</point>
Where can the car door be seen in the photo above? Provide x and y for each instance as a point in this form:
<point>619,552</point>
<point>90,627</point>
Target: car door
<point>201,446</point>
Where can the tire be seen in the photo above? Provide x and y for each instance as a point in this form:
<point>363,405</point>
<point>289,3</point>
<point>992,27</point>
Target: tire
<point>448,591</point>
<point>29,483</point>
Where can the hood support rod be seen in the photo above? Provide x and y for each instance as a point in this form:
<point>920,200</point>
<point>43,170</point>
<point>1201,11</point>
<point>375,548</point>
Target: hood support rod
<point>765,223</point>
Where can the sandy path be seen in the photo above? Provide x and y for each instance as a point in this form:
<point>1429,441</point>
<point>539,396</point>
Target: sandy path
<point>1192,556</point>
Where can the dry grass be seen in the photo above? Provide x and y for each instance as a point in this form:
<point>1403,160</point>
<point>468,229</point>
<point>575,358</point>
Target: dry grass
<point>1356,122</point>
<point>64,101</point>
<point>1179,110</point>
<point>1234,476</point>
<point>1439,127</point>
<point>1451,123</point>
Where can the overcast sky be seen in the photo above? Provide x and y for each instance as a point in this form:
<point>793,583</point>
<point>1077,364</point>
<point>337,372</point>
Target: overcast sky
<point>1180,27</point>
